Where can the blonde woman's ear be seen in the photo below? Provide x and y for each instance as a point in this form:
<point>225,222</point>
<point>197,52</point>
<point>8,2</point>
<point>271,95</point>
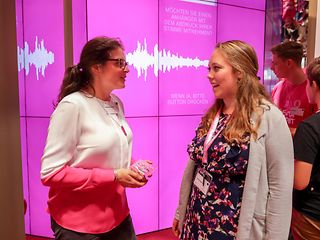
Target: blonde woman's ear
<point>239,75</point>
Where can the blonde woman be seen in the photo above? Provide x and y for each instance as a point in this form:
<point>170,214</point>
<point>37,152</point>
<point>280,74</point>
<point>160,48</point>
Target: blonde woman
<point>238,181</point>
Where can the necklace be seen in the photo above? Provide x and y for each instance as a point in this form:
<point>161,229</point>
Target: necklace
<point>115,110</point>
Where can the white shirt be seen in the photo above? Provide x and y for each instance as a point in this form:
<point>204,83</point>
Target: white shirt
<point>85,132</point>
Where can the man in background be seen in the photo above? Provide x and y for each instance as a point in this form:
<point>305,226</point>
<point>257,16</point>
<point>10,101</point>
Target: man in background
<point>289,94</point>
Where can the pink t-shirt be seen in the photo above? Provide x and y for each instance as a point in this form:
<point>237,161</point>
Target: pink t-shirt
<point>292,100</point>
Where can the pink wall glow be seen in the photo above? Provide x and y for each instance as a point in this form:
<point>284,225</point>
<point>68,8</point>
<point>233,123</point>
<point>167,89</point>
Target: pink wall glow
<point>175,134</point>
<point>186,30</point>
<point>168,44</point>
<point>141,88</point>
<point>25,173</point>
<point>36,137</point>
<point>237,28</point>
<point>79,27</point>
<point>143,202</point>
<point>21,74</point>
<point>261,4</point>
<point>47,27</point>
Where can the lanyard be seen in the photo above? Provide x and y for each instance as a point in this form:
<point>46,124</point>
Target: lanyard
<point>211,136</point>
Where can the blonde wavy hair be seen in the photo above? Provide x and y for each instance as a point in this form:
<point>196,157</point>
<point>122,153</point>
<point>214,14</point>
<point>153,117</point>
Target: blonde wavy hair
<point>250,93</point>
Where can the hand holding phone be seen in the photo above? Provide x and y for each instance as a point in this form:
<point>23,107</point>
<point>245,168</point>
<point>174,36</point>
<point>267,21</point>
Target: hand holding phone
<point>144,167</point>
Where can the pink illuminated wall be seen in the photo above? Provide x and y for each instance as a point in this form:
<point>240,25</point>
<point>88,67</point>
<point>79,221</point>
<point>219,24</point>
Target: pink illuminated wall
<point>237,28</point>
<point>187,35</point>
<point>261,5</point>
<point>175,134</point>
<point>44,48</point>
<point>20,42</point>
<point>25,172</point>
<point>36,136</point>
<point>168,44</point>
<point>144,201</point>
<point>40,54</point>
<point>79,27</point>
<point>139,33</point>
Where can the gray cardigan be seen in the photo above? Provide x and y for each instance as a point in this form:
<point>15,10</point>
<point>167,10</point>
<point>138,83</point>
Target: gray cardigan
<point>267,195</point>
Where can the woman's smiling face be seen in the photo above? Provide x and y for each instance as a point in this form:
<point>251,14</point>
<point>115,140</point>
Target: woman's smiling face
<point>222,76</point>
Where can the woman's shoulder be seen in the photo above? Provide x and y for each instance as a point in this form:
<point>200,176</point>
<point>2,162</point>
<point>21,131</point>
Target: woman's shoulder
<point>270,115</point>
<point>76,98</point>
<point>271,110</point>
<point>272,119</point>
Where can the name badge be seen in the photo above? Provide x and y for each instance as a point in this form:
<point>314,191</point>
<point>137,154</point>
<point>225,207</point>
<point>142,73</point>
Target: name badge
<point>202,181</point>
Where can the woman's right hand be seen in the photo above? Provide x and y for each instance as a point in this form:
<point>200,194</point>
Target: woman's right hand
<point>129,178</point>
<point>175,227</point>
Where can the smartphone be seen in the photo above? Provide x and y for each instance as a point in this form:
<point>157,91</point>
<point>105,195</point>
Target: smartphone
<point>143,167</point>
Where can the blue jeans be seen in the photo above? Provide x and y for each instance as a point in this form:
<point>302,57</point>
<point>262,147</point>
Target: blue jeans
<point>124,231</point>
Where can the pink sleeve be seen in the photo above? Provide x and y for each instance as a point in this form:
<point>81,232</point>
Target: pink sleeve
<point>79,178</point>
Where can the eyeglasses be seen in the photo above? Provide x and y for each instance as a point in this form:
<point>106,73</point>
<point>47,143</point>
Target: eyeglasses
<point>120,62</point>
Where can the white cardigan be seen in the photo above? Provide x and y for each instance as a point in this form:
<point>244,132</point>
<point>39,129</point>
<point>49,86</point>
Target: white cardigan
<point>267,196</point>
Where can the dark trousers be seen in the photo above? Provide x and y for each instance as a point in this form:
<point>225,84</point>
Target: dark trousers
<point>124,231</point>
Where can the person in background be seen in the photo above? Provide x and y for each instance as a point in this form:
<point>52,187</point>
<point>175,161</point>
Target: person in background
<point>306,212</point>
<point>238,181</point>
<point>88,149</point>
<point>289,94</point>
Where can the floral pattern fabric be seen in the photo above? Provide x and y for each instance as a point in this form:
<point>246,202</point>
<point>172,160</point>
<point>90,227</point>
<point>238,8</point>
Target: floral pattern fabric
<point>215,216</point>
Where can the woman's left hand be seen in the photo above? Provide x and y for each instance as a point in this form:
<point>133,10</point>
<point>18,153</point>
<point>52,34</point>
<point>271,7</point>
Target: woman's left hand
<point>129,178</point>
<point>175,227</point>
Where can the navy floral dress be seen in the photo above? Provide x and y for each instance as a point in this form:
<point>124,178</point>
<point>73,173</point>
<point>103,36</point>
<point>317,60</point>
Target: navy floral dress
<point>215,216</point>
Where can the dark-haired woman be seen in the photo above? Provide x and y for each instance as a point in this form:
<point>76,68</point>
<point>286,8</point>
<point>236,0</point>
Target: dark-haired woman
<point>88,150</point>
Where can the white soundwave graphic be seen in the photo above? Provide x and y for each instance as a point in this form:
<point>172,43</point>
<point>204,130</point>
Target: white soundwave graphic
<point>40,58</point>
<point>162,60</point>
